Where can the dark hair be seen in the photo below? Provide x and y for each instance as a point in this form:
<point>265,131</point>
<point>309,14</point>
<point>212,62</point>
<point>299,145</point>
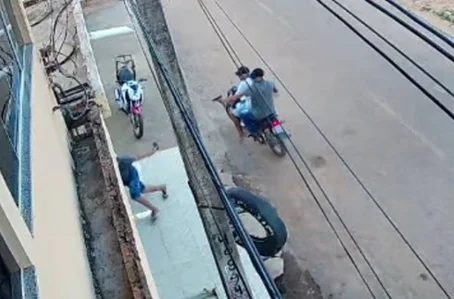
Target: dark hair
<point>242,70</point>
<point>256,73</point>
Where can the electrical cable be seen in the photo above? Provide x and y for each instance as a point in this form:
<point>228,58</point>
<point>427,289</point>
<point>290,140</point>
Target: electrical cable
<point>65,36</point>
<point>155,79</point>
<point>214,176</point>
<point>48,13</point>
<point>313,195</point>
<point>185,116</point>
<point>420,22</point>
<point>386,57</point>
<point>225,241</point>
<point>67,57</point>
<point>230,210</point>
<point>232,54</point>
<point>56,22</point>
<point>44,17</point>
<point>348,167</point>
<point>389,43</point>
<point>363,186</point>
<point>412,29</point>
<point>56,53</point>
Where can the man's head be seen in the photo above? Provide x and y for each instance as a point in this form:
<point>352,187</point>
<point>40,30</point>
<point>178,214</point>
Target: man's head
<point>257,74</point>
<point>242,72</point>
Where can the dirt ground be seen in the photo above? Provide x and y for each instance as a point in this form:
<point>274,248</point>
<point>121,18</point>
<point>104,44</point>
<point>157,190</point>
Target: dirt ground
<point>438,12</point>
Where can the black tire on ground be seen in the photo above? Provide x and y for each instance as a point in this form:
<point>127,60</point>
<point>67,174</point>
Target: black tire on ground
<point>266,214</point>
<point>137,127</point>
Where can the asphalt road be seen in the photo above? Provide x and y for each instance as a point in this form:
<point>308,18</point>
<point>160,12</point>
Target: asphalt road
<point>391,135</point>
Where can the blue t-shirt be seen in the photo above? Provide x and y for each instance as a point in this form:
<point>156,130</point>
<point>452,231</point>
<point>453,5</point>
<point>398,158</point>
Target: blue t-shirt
<point>262,97</point>
<point>127,171</point>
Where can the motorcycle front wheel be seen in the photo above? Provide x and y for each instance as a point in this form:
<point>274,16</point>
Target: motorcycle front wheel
<point>137,125</point>
<point>276,144</point>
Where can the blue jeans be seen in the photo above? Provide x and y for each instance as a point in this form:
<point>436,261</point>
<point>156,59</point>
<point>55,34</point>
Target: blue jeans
<point>250,122</point>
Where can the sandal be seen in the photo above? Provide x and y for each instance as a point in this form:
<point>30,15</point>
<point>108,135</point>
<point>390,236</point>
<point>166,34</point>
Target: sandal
<point>155,215</point>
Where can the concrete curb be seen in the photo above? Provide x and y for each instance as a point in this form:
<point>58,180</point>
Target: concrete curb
<point>89,60</point>
<point>132,250</point>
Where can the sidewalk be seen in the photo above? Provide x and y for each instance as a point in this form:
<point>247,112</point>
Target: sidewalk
<point>121,39</point>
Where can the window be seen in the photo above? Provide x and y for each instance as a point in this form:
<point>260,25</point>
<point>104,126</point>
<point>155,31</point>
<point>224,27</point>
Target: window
<point>15,77</point>
<point>6,261</point>
<point>5,281</point>
<point>10,75</point>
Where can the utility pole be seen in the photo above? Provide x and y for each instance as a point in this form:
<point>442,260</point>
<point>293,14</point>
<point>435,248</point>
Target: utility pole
<point>150,18</point>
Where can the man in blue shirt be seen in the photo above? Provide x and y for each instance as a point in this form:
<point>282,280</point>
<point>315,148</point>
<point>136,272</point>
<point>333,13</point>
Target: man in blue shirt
<point>261,94</point>
<point>137,189</point>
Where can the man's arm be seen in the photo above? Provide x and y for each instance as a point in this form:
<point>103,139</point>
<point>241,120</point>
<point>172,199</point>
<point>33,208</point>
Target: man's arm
<point>150,153</point>
<point>244,89</point>
<point>233,99</point>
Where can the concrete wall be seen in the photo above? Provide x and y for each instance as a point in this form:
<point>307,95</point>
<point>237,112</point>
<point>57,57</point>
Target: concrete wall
<point>143,260</point>
<point>57,247</point>
<point>62,266</point>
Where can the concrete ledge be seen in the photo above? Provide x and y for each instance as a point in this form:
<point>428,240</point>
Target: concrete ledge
<point>132,248</point>
<point>89,59</point>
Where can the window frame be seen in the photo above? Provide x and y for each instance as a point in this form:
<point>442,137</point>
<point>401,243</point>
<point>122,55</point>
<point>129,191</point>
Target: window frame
<point>24,280</point>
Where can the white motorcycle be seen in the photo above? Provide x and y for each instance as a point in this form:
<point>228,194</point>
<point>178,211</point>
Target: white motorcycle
<point>130,94</point>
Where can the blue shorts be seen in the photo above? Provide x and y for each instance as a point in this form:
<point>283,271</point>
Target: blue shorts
<point>250,122</point>
<point>136,187</point>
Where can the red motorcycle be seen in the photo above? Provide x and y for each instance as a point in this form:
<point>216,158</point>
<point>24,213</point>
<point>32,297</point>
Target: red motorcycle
<point>267,131</point>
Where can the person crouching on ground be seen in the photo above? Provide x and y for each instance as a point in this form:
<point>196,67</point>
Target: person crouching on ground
<point>137,189</point>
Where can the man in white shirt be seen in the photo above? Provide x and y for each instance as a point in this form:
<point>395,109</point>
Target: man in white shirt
<point>243,104</point>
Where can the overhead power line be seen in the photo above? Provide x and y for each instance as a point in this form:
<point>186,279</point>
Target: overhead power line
<point>437,102</point>
<point>422,23</point>
<point>348,167</point>
<point>308,186</point>
<point>374,200</point>
<point>224,41</point>
<point>389,43</point>
<point>213,175</point>
<point>413,30</point>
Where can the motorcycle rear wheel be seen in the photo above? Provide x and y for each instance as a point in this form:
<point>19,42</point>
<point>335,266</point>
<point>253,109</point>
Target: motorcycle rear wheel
<point>137,125</point>
<point>276,144</point>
